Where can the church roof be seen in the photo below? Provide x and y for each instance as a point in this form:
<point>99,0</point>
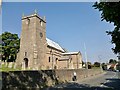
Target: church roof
<point>68,53</point>
<point>54,45</point>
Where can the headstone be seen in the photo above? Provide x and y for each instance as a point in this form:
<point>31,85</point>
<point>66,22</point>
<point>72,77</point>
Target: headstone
<point>6,64</point>
<point>0,63</point>
<point>10,64</point>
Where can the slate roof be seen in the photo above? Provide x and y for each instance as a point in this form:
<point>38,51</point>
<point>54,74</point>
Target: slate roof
<point>54,45</point>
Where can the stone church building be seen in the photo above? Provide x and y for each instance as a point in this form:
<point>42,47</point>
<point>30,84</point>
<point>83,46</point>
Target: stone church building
<point>38,52</point>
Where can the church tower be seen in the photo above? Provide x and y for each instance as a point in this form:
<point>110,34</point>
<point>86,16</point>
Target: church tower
<point>32,43</point>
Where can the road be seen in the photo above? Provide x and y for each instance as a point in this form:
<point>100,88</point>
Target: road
<point>109,80</point>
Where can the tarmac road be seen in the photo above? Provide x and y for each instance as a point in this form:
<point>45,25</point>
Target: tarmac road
<point>109,80</point>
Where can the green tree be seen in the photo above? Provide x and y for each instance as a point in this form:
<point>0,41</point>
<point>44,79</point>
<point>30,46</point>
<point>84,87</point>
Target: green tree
<point>89,63</point>
<point>96,64</point>
<point>110,11</point>
<point>112,61</point>
<point>89,66</point>
<point>104,66</point>
<point>10,46</point>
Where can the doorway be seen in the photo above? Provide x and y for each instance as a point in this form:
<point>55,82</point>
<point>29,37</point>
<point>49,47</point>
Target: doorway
<point>26,62</point>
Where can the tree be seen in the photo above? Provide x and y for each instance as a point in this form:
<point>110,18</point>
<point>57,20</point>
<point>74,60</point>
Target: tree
<point>104,66</point>
<point>112,61</point>
<point>89,63</point>
<point>10,46</point>
<point>96,64</point>
<point>110,11</point>
<point>89,66</point>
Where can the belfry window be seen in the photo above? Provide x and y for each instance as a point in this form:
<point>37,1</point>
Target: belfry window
<point>41,23</point>
<point>25,54</point>
<point>49,59</point>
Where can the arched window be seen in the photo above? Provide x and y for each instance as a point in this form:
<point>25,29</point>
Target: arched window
<point>41,23</point>
<point>56,60</point>
<point>49,59</point>
<point>25,54</point>
<point>26,62</point>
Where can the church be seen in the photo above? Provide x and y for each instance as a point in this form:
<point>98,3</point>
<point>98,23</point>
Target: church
<point>37,52</point>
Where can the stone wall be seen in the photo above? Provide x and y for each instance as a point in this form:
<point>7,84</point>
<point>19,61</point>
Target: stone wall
<point>22,80</point>
<point>41,79</point>
<point>67,75</point>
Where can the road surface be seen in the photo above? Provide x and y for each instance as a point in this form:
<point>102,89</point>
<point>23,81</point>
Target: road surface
<point>109,80</point>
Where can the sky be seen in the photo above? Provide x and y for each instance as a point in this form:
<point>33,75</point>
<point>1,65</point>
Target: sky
<point>75,26</point>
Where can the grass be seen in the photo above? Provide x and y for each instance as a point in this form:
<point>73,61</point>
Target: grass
<point>4,68</point>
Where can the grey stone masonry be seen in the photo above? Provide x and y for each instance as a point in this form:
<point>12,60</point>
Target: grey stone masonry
<point>32,43</point>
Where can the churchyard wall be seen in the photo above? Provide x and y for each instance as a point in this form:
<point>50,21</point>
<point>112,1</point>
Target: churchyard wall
<point>43,78</point>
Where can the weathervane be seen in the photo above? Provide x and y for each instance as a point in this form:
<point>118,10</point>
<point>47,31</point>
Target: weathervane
<point>35,11</point>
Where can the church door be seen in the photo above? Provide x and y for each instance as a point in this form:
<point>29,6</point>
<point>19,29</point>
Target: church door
<point>26,62</point>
